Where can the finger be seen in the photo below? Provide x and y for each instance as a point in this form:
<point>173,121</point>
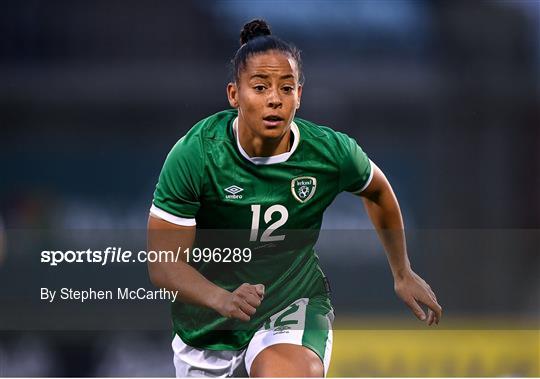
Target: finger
<point>437,317</point>
<point>430,317</point>
<point>438,310</point>
<point>250,295</point>
<point>417,310</point>
<point>433,305</point>
<point>245,286</point>
<point>260,290</point>
<point>246,289</point>
<point>240,315</point>
<point>434,298</point>
<point>246,308</point>
<point>252,299</point>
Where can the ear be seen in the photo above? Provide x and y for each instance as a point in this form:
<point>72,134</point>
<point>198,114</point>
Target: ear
<point>232,95</point>
<point>299,96</point>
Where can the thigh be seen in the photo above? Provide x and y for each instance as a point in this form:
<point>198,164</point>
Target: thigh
<point>286,360</point>
<point>193,362</point>
<point>299,333</point>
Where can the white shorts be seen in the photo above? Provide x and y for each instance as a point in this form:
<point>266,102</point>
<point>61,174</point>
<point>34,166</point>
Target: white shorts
<point>313,328</point>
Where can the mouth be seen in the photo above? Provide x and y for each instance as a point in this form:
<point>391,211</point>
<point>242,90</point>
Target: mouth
<point>272,120</point>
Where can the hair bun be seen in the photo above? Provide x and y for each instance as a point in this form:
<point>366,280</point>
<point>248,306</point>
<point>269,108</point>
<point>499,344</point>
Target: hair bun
<point>253,29</point>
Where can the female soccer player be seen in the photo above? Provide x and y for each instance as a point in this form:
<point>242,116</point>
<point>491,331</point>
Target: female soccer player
<point>256,168</point>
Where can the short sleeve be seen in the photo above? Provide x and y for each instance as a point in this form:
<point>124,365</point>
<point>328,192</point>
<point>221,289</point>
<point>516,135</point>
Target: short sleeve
<point>178,191</point>
<point>356,170</point>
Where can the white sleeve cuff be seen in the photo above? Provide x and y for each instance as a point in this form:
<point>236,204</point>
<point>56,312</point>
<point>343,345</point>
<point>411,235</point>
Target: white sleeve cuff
<point>160,213</point>
<point>371,170</point>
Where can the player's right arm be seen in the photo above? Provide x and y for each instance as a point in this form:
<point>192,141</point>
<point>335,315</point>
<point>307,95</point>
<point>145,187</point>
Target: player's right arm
<point>192,286</point>
<point>171,225</point>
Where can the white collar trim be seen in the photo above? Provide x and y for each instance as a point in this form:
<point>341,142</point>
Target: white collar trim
<point>274,158</point>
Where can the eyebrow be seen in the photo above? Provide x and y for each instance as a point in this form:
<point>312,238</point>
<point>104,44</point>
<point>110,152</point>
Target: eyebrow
<point>264,76</point>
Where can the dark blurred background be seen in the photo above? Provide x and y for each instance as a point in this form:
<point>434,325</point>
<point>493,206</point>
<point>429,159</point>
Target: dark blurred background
<point>443,95</point>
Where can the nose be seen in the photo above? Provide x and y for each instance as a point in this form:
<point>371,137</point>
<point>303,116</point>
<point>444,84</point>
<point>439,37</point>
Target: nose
<point>274,100</point>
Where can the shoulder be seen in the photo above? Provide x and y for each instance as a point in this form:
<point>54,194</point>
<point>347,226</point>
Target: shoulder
<point>213,127</point>
<point>323,136</point>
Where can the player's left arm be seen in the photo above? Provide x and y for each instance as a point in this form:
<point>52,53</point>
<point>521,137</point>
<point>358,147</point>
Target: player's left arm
<point>383,210</point>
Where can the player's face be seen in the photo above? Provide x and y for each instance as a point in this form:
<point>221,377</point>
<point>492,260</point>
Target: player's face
<point>267,94</point>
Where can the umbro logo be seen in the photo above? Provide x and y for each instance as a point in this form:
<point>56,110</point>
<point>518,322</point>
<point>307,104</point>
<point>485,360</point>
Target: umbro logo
<point>233,192</point>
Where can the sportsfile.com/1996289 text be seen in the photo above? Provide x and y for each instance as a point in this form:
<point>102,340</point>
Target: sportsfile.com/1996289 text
<point>118,255</point>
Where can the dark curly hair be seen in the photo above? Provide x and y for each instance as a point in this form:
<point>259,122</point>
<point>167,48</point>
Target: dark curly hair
<point>255,38</point>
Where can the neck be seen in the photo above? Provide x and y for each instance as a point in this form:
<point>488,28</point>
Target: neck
<point>257,146</point>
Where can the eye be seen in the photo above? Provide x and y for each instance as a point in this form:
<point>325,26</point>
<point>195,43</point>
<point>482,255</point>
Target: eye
<point>287,89</point>
<point>259,88</point>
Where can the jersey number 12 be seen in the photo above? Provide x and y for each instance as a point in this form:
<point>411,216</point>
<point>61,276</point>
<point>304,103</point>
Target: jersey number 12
<point>266,235</point>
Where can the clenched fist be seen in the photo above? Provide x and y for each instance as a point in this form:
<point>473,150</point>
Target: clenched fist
<point>242,302</point>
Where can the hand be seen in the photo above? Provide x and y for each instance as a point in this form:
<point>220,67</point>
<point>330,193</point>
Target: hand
<point>412,289</point>
<point>242,302</point>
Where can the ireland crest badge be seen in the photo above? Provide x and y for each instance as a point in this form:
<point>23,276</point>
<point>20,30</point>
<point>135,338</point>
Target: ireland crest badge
<point>303,188</point>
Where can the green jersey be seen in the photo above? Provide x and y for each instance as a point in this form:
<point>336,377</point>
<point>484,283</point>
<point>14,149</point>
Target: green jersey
<point>267,203</point>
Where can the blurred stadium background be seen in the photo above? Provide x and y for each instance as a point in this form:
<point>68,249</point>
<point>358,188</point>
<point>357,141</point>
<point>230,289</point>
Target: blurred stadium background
<point>443,96</point>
